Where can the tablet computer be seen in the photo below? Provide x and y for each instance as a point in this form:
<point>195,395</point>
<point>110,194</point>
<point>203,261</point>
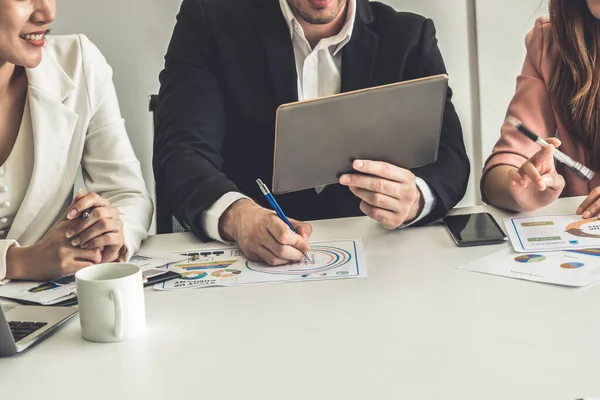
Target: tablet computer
<point>317,140</point>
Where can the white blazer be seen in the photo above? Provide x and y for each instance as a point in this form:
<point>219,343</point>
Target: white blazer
<point>76,122</point>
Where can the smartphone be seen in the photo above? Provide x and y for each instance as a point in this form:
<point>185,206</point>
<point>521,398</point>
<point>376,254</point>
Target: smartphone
<point>474,229</point>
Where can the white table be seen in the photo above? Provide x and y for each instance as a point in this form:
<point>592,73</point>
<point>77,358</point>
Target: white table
<point>416,328</point>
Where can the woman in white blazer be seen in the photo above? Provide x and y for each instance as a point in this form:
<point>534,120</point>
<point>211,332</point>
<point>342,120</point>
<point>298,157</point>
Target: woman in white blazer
<point>59,112</point>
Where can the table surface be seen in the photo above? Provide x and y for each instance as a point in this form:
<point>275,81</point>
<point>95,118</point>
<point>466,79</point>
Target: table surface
<point>416,328</point>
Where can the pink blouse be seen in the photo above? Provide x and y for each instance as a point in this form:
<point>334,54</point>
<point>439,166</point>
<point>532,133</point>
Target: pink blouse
<point>532,105</point>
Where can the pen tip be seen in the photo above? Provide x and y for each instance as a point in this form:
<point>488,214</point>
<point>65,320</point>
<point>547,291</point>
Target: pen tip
<point>309,258</point>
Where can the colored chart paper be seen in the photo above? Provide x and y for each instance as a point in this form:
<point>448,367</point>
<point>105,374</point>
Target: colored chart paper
<point>227,267</point>
<point>552,233</point>
<point>566,268</point>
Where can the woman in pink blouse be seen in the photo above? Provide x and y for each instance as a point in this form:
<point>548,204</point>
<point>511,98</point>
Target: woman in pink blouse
<point>557,97</point>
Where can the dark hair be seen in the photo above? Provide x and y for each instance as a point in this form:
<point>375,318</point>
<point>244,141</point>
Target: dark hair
<point>575,83</point>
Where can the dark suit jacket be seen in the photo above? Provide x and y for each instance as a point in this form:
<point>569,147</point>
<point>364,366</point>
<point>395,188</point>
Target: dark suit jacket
<point>230,64</point>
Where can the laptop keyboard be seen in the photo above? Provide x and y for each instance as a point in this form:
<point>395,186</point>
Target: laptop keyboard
<point>21,330</point>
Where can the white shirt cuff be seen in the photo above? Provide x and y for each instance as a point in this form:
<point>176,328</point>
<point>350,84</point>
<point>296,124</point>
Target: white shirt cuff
<point>4,246</point>
<point>212,215</point>
<point>428,199</point>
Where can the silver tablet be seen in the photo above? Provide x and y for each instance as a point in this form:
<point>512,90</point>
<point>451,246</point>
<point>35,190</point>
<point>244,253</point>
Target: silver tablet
<point>317,140</point>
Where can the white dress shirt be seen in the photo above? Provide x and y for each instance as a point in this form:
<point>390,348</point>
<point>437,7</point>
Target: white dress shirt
<point>15,174</point>
<point>319,74</point>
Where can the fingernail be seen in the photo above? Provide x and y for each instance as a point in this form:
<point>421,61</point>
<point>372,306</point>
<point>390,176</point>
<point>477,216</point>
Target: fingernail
<point>75,242</point>
<point>72,214</point>
<point>80,191</point>
<point>586,214</point>
<point>83,246</point>
<point>70,233</point>
<point>547,180</point>
<point>358,164</point>
<point>345,179</point>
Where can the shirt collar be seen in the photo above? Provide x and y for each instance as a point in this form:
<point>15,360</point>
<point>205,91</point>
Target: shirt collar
<point>344,35</point>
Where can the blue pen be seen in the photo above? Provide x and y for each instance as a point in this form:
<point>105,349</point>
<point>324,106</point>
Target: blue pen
<point>278,210</point>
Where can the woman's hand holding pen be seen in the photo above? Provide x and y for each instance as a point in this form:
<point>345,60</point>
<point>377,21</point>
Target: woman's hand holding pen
<point>262,235</point>
<point>536,184</point>
<point>52,257</point>
<point>102,230</point>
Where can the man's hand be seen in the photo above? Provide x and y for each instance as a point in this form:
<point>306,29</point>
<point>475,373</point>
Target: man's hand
<point>262,235</point>
<point>389,193</point>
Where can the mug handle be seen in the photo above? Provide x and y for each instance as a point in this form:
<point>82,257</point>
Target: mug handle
<point>117,299</point>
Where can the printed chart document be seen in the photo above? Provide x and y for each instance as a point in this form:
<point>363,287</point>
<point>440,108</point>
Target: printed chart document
<point>227,267</point>
<point>59,290</point>
<point>575,268</point>
<point>44,293</point>
<point>553,232</point>
<point>148,260</point>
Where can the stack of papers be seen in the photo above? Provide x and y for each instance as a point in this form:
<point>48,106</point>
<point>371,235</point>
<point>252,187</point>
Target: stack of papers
<point>561,250</point>
<point>61,290</point>
<point>44,293</point>
<point>149,259</point>
<point>228,267</point>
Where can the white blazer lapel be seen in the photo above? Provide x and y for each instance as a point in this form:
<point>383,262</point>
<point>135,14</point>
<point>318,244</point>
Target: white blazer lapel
<point>53,125</point>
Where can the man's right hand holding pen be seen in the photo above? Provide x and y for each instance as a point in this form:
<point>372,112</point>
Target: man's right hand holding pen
<point>262,235</point>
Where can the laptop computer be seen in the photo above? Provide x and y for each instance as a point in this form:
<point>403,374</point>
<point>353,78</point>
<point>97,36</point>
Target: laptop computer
<point>23,326</point>
<point>317,140</point>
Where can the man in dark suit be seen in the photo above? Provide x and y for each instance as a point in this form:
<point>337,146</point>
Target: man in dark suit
<point>231,63</point>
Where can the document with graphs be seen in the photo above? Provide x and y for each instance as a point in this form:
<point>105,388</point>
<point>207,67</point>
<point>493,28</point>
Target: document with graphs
<point>553,232</point>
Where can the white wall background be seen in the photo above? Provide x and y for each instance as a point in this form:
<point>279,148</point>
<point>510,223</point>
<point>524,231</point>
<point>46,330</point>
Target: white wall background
<point>133,36</point>
<point>501,30</point>
<point>455,24</point>
<point>481,41</point>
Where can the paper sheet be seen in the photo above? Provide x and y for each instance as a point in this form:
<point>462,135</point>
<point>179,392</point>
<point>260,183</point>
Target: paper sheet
<point>553,232</point>
<point>575,268</point>
<point>45,293</point>
<point>48,293</point>
<point>147,259</point>
<point>227,267</point>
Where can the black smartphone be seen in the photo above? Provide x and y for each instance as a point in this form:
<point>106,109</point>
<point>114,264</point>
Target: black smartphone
<point>474,229</point>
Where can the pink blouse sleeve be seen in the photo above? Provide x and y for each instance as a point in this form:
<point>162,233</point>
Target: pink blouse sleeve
<point>531,104</point>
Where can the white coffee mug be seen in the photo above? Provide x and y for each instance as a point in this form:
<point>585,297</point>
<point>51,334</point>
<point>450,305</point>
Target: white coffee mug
<point>111,302</point>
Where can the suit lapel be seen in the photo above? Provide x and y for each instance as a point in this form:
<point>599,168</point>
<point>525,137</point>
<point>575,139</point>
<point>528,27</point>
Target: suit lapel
<point>278,47</point>
<point>53,124</point>
<point>358,56</point>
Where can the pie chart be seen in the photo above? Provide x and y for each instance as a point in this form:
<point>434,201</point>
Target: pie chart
<point>572,265</point>
<point>530,258</point>
<point>226,273</point>
<point>193,275</point>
